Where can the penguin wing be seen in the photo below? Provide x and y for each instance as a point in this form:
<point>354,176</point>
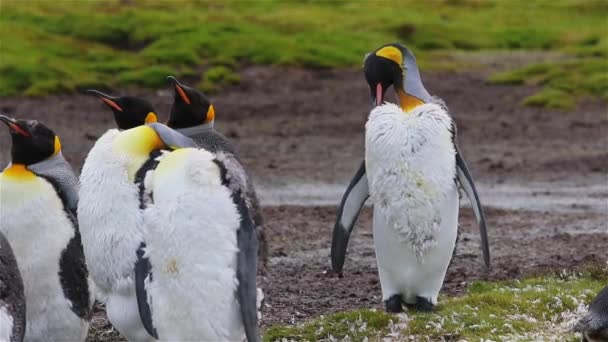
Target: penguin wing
<point>171,137</point>
<point>73,272</point>
<point>11,289</point>
<point>466,182</point>
<point>355,196</point>
<point>143,270</point>
<point>246,270</point>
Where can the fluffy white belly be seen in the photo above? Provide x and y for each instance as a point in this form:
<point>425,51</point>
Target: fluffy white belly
<point>6,324</point>
<point>401,271</point>
<point>192,246</point>
<point>123,313</point>
<point>111,223</point>
<point>33,220</point>
<point>111,226</point>
<point>410,163</point>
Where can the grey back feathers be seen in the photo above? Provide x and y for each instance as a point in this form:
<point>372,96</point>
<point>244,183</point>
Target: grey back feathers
<point>62,175</point>
<point>12,299</point>
<point>208,138</point>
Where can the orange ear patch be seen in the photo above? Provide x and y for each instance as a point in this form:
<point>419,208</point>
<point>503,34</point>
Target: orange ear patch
<point>182,93</point>
<point>151,117</point>
<point>57,146</point>
<point>210,114</point>
<point>112,104</point>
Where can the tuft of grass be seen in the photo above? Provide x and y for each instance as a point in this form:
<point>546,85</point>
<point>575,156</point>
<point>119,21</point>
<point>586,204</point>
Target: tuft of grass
<point>357,324</point>
<point>57,47</point>
<point>217,77</point>
<point>562,83</point>
<point>535,308</point>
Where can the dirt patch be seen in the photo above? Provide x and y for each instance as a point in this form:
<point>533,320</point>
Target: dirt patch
<point>300,283</point>
<point>308,126</point>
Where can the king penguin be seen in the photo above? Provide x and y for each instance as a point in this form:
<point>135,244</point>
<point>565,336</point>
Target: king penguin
<point>193,115</point>
<point>411,171</point>
<point>594,326</point>
<point>196,278</point>
<point>12,300</point>
<point>110,213</point>
<point>128,111</point>
<point>38,200</point>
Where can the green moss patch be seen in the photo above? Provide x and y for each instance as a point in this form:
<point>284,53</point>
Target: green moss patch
<point>536,308</point>
<point>50,47</point>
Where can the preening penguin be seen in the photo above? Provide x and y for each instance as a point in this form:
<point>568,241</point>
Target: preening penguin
<point>193,115</point>
<point>128,111</point>
<point>12,300</point>
<point>110,214</point>
<point>38,200</point>
<point>594,326</point>
<point>201,251</point>
<point>411,170</point>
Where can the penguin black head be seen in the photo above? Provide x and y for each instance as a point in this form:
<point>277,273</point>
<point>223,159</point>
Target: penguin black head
<point>394,64</point>
<point>128,111</point>
<point>33,142</point>
<point>190,107</point>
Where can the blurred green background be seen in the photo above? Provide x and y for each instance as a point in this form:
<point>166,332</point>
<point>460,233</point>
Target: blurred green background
<point>61,46</point>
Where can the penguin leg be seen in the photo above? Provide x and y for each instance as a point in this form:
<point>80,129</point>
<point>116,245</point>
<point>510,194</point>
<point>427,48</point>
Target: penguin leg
<point>394,304</point>
<point>422,304</point>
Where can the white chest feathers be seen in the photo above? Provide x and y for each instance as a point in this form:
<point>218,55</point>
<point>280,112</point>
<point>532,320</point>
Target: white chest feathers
<point>410,164</point>
<point>192,247</point>
<point>110,219</point>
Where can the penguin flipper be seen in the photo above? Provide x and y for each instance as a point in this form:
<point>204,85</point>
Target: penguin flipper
<point>171,137</point>
<point>247,260</point>
<point>143,270</point>
<point>466,182</point>
<point>355,196</point>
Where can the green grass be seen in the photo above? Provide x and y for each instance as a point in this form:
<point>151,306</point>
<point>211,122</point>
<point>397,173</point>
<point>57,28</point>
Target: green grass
<point>536,308</point>
<point>49,47</point>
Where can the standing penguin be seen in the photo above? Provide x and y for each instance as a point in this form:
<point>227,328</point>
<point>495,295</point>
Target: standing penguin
<point>594,326</point>
<point>110,213</point>
<point>38,200</point>
<point>193,115</point>
<point>128,111</point>
<point>199,278</point>
<point>411,169</point>
<point>12,300</point>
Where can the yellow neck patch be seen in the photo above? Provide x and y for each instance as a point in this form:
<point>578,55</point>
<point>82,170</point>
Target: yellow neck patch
<point>19,172</point>
<point>150,118</point>
<point>210,114</point>
<point>172,162</point>
<point>407,101</point>
<point>137,143</point>
<point>392,53</point>
<point>57,146</point>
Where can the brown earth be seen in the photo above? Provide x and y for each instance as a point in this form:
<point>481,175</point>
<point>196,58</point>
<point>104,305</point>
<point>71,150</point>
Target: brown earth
<point>302,126</point>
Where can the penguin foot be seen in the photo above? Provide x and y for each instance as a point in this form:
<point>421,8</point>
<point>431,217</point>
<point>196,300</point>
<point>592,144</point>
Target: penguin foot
<point>393,304</point>
<point>422,305</point>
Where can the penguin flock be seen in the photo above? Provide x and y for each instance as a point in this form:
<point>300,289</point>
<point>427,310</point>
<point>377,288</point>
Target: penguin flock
<point>163,224</point>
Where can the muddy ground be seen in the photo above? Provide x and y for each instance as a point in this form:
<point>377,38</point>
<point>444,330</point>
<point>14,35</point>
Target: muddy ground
<point>543,172</point>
